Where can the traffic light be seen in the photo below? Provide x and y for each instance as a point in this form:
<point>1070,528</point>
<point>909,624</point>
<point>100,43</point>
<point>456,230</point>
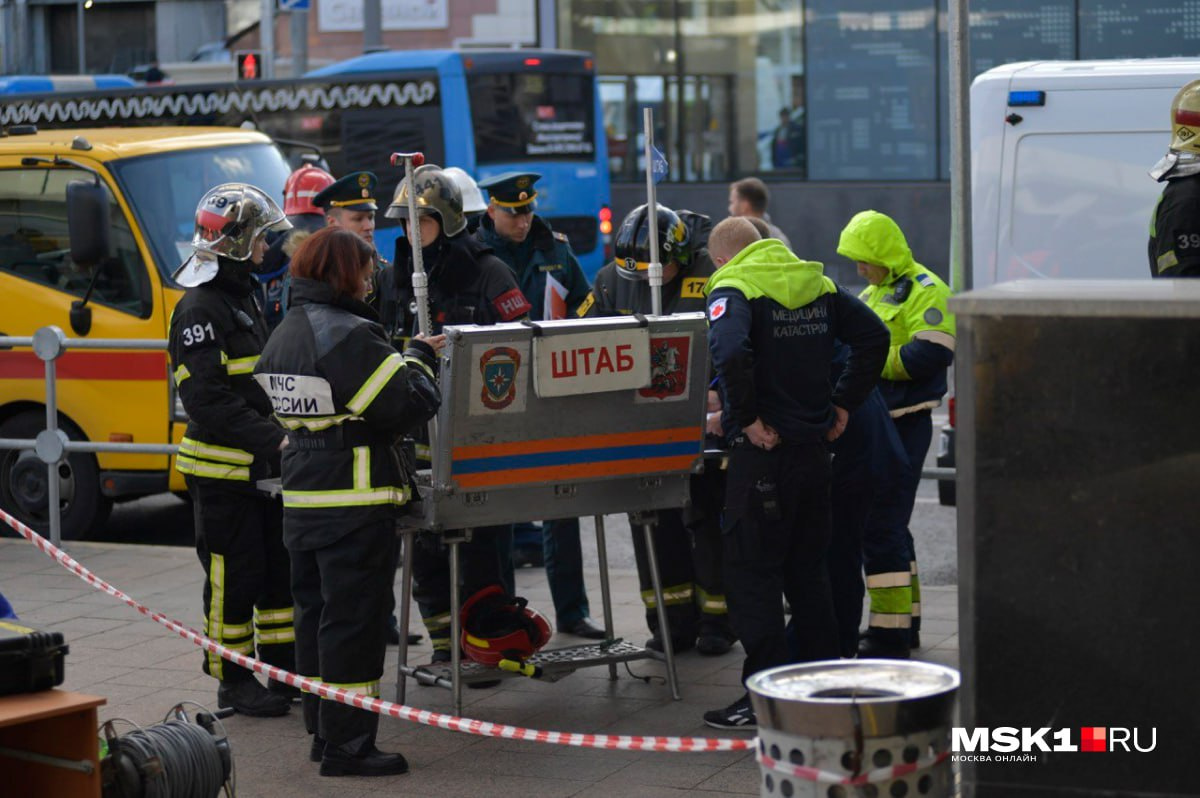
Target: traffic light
<point>249,65</point>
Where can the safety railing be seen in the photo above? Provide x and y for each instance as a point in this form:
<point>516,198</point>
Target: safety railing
<point>52,444</point>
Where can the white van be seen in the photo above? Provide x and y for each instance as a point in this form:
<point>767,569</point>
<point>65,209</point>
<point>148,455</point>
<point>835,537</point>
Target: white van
<point>1060,152</point>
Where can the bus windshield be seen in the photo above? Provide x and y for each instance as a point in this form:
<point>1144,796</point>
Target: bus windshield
<point>532,116</point>
<point>163,190</point>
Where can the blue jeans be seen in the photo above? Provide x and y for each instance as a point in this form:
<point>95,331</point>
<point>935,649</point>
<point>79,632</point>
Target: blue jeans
<point>564,570</point>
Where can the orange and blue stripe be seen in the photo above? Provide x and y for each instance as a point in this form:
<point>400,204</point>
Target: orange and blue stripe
<point>496,465</point>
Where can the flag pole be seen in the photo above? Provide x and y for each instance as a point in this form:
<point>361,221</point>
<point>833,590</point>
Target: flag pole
<point>656,269</point>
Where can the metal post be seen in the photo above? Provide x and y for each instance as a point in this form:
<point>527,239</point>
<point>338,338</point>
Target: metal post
<point>420,280</point>
<point>407,539</point>
<point>79,37</point>
<point>266,30</point>
<point>605,589</point>
<point>455,625</point>
<point>52,497</point>
<point>664,627</point>
<point>960,146</point>
<point>372,26</point>
<point>298,22</point>
<point>656,270</point>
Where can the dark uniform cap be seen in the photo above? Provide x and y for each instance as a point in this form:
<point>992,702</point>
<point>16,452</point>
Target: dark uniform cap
<point>355,191</point>
<point>512,192</point>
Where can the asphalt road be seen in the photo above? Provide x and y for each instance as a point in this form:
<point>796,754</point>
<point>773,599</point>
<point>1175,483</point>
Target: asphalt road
<point>167,520</point>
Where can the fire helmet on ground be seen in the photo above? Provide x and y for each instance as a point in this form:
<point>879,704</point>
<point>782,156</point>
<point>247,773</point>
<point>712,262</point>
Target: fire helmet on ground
<point>632,244</point>
<point>497,626</point>
<point>435,193</point>
<point>231,216</point>
<point>301,186</point>
<point>472,197</point>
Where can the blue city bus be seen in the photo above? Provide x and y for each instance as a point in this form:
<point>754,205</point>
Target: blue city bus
<point>485,111</point>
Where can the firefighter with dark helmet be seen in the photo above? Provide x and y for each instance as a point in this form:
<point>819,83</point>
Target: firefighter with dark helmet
<point>1174,247</point>
<point>687,543</point>
<point>345,396</point>
<point>467,285</point>
<point>217,332</point>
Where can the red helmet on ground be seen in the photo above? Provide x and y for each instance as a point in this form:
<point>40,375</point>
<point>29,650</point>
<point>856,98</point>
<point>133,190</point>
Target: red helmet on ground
<point>301,186</point>
<point>496,626</point>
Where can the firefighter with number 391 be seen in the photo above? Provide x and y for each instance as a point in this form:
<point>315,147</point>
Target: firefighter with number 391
<point>217,333</point>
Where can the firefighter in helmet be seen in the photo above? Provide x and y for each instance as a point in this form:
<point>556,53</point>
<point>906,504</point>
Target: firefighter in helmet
<point>217,333</point>
<point>687,542</point>
<point>467,285</point>
<point>1175,226</point>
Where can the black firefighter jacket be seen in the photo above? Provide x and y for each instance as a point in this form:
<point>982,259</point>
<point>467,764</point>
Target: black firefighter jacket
<point>216,335</point>
<point>345,396</point>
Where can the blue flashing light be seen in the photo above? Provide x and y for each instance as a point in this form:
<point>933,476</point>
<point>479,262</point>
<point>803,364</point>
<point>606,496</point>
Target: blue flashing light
<point>1016,99</point>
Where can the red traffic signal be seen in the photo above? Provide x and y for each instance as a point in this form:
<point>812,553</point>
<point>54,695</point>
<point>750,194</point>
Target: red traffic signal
<point>249,65</point>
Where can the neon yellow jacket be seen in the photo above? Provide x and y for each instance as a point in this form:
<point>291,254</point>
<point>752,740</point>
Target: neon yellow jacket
<point>912,303</point>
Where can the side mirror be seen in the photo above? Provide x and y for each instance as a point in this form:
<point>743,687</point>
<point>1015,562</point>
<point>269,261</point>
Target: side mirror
<point>88,222</point>
<point>88,226</point>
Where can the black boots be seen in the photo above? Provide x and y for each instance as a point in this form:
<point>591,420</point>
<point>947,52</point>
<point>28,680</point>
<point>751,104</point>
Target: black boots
<point>249,697</point>
<point>370,761</point>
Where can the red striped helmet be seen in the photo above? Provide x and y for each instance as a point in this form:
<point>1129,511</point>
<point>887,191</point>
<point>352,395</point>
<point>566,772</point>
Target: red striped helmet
<point>301,186</point>
<point>496,626</point>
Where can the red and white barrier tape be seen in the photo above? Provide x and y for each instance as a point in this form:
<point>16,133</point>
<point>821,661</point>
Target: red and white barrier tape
<point>621,742</point>
<point>870,777</point>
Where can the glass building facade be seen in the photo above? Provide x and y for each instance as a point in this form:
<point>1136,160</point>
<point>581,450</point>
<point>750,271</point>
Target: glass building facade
<point>827,90</point>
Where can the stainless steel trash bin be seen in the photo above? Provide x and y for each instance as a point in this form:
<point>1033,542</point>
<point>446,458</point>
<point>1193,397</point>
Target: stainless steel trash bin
<point>868,728</point>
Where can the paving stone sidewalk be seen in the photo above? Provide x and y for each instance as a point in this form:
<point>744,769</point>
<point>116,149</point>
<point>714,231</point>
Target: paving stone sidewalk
<point>142,670</point>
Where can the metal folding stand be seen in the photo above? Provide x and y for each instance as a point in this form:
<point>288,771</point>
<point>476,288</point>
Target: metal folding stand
<point>552,664</point>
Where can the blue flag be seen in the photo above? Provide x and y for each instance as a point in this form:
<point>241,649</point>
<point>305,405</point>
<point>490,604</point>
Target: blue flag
<point>658,164</point>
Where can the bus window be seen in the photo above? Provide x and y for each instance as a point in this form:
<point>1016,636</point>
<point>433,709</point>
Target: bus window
<point>528,116</point>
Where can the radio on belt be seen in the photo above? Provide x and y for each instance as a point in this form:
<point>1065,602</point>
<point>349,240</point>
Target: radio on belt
<point>30,659</point>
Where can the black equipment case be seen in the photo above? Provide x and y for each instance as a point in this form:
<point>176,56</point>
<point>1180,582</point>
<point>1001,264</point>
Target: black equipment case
<point>30,660</point>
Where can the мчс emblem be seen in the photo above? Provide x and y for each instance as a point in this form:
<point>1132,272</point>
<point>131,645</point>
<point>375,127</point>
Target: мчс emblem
<point>499,367</point>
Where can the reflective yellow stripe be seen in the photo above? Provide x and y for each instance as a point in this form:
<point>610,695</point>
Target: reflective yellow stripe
<point>274,616</point>
<point>366,688</point>
<point>936,337</point>
<point>197,468</point>
<point>316,423</point>
<point>437,621</point>
<point>421,450</point>
<point>891,579</point>
<point>235,631</point>
<point>362,468</point>
<point>216,610</point>
<point>277,636</point>
<point>374,384</point>
<point>238,365</point>
<point>675,594</point>
<point>181,374</point>
<point>891,599</point>
<point>881,620</point>
<point>413,361</point>
<point>711,603</point>
<point>210,451</point>
<point>344,498</point>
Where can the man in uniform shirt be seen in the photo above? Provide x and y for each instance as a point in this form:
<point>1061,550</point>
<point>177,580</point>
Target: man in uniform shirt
<point>551,279</point>
<point>349,203</point>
